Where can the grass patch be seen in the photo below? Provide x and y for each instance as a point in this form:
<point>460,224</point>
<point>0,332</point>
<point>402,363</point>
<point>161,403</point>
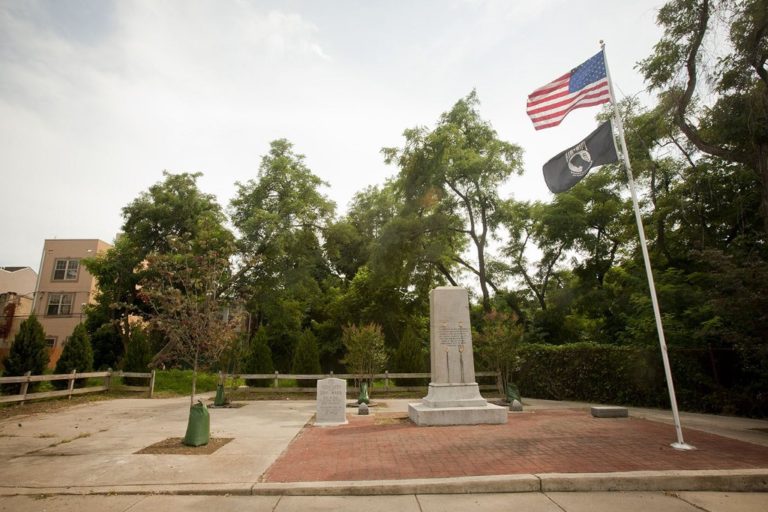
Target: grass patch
<point>179,382</point>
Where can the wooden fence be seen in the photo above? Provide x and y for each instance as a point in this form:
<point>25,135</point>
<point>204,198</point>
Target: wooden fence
<point>108,376</point>
<point>386,377</point>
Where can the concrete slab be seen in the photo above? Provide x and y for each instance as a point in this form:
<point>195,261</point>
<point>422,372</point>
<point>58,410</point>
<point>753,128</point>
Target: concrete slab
<point>727,501</point>
<point>624,501</point>
<point>529,502</point>
<point>208,503</point>
<point>608,411</point>
<point>69,503</point>
<point>107,435</point>
<point>356,503</point>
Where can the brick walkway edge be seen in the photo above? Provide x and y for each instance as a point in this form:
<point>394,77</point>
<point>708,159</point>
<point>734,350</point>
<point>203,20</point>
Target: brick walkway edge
<point>389,447</point>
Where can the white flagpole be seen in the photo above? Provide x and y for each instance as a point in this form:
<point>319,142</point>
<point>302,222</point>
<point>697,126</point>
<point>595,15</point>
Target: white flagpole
<point>680,444</point>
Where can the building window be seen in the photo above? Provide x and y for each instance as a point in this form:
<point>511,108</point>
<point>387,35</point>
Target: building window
<point>66,270</point>
<point>50,341</point>
<point>59,304</point>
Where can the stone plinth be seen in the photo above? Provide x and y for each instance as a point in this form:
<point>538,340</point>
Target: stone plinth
<point>609,411</point>
<point>454,396</point>
<point>331,402</point>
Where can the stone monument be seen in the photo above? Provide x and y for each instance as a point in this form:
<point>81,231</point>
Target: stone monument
<point>454,396</point>
<point>331,402</point>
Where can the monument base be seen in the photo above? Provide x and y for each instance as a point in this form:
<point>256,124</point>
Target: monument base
<point>455,404</point>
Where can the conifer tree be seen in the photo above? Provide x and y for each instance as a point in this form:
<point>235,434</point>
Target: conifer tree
<point>29,353</point>
<point>306,358</point>
<point>77,355</point>
<point>259,359</point>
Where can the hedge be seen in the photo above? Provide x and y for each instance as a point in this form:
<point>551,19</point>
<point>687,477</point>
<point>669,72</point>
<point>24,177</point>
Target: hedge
<point>704,380</point>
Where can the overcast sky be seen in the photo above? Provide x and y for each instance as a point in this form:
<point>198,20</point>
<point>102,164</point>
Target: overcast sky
<point>98,97</point>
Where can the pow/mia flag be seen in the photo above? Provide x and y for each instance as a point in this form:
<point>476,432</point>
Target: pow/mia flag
<point>566,169</point>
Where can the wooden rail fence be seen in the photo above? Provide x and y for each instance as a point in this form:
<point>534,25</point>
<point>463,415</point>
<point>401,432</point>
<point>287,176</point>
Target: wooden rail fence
<point>108,384</point>
<point>386,377</point>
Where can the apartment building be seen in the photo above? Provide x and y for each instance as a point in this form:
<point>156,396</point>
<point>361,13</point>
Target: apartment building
<point>64,288</point>
<point>17,288</point>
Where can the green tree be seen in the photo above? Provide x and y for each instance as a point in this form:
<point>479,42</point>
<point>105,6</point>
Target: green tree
<point>28,353</point>
<point>139,353</point>
<point>108,346</point>
<point>77,355</point>
<point>187,295</point>
<point>283,271</point>
<point>259,359</point>
<point>497,345</point>
<point>411,355</point>
<point>306,358</point>
<point>734,128</point>
<point>173,211</point>
<point>450,179</point>
<point>365,352</point>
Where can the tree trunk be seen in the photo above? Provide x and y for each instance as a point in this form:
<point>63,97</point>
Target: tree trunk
<point>194,378</point>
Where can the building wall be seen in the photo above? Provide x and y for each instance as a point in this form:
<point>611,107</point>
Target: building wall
<point>17,286</point>
<point>64,288</point>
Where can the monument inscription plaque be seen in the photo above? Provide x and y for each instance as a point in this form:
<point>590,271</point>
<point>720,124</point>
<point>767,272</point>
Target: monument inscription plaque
<point>331,402</point>
<point>454,396</point>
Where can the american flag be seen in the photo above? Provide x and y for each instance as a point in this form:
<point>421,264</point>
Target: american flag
<point>584,86</point>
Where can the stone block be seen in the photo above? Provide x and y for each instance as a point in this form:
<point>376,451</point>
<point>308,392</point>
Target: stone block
<point>609,411</point>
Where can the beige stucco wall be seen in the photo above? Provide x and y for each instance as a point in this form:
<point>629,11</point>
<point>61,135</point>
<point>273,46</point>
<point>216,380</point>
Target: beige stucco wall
<point>83,289</point>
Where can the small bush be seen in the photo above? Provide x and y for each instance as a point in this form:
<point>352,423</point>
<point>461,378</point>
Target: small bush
<point>306,358</point>
<point>259,359</point>
<point>29,353</point>
<point>77,355</point>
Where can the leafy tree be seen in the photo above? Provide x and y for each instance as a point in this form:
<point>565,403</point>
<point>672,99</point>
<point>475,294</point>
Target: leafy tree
<point>107,343</point>
<point>170,212</point>
<point>139,354</point>
<point>497,345</point>
<point>449,178</point>
<point>28,353</point>
<point>734,128</point>
<point>283,271</point>
<point>411,355</point>
<point>77,355</point>
<point>365,352</point>
<point>306,358</point>
<point>186,295</point>
<point>259,358</point>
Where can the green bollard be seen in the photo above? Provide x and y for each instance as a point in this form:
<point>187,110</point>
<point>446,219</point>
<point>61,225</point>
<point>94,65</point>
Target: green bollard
<point>199,425</point>
<point>513,393</point>
<point>363,398</point>
<point>219,400</point>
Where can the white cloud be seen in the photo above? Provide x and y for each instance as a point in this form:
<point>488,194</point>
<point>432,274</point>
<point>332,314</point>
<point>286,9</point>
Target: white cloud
<point>96,99</point>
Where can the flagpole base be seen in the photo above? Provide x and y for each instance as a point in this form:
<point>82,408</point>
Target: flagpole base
<point>682,446</point>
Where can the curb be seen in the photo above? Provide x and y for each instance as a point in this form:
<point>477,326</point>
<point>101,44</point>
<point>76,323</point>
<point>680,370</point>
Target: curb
<point>741,480</point>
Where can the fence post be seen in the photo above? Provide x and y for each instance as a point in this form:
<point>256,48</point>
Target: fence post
<point>277,382</point>
<point>108,379</point>
<point>25,387</point>
<point>152,384</point>
<point>71,383</point>
<point>386,381</point>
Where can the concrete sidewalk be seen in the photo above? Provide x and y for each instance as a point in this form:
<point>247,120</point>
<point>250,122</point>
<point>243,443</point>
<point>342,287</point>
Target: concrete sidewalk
<point>91,448</point>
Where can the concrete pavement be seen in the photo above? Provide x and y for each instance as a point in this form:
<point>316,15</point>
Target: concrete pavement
<point>51,461</point>
<point>529,502</point>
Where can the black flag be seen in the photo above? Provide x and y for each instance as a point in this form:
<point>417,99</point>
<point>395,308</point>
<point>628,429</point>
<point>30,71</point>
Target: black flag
<point>567,168</point>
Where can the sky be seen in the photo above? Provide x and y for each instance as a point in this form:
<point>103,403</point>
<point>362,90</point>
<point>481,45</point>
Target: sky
<point>99,97</point>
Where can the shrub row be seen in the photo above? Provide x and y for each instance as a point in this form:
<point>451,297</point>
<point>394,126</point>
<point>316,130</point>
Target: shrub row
<point>705,380</point>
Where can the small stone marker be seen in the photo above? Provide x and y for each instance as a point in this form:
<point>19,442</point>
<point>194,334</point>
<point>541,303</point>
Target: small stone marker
<point>516,406</point>
<point>609,411</point>
<point>331,402</point>
<point>362,409</point>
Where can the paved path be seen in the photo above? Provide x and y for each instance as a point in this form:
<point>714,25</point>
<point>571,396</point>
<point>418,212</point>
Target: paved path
<point>47,460</point>
<point>528,502</point>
